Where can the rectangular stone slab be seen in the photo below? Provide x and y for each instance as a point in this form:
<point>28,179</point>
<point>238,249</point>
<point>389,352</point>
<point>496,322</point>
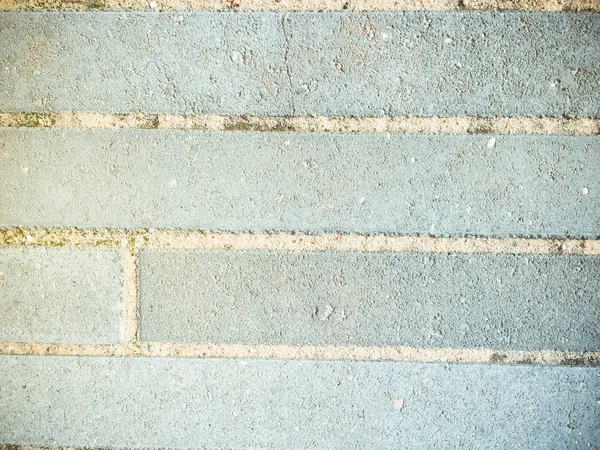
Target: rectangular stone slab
<point>371,299</point>
<point>194,403</point>
<point>298,63</point>
<point>308,182</point>
<point>62,295</point>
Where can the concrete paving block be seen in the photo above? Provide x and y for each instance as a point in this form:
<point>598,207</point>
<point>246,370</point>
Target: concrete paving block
<point>276,63</point>
<point>60,296</point>
<point>371,299</point>
<point>545,186</point>
<point>208,403</point>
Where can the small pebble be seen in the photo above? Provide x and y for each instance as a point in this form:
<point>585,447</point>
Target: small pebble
<point>491,143</point>
<point>398,403</point>
<point>362,200</point>
<point>585,191</point>
<point>237,57</point>
<point>29,238</point>
<point>152,5</point>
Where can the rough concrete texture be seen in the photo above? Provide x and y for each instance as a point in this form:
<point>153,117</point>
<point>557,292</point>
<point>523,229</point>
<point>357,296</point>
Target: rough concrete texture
<point>60,295</point>
<point>522,302</point>
<point>368,183</point>
<point>276,63</point>
<point>195,403</point>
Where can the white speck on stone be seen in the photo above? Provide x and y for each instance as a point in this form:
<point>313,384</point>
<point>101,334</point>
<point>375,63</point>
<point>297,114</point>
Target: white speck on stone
<point>447,41</point>
<point>458,65</point>
<point>324,313</point>
<point>25,169</point>
<point>362,200</point>
<point>237,57</point>
<point>150,348</point>
<point>29,238</point>
<point>412,160</point>
<point>398,403</point>
<point>152,5</point>
<point>491,142</point>
<point>585,191</point>
<point>174,183</point>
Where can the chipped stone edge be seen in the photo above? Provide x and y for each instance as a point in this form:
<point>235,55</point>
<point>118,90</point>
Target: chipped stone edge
<point>305,5</point>
<point>135,240</point>
<point>130,333</point>
<point>323,124</point>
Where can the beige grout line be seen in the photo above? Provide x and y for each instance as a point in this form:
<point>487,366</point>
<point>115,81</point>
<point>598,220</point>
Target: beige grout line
<point>384,124</point>
<point>31,447</point>
<point>135,240</point>
<point>307,5</point>
<point>533,5</point>
<point>329,352</point>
